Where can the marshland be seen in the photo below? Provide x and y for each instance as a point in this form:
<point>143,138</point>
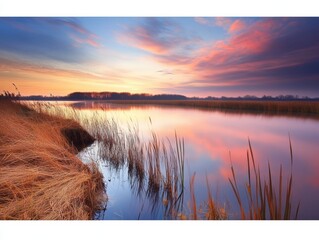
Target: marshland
<point>159,161</point>
<point>41,177</point>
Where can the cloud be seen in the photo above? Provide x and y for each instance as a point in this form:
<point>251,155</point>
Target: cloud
<point>35,78</point>
<point>21,66</point>
<point>83,35</point>
<point>271,55</point>
<point>158,36</point>
<point>45,39</point>
<point>223,22</point>
<point>237,25</point>
<point>165,72</point>
<point>256,55</point>
<point>205,21</point>
<point>73,25</point>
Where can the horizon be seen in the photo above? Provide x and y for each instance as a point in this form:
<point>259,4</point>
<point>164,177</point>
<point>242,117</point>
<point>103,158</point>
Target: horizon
<point>190,56</point>
<point>290,96</point>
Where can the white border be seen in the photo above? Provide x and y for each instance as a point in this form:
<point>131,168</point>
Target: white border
<point>55,230</point>
<point>231,8</point>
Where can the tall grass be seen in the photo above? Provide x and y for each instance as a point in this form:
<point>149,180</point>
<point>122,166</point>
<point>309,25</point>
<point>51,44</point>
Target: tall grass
<point>156,164</point>
<point>40,177</point>
<point>264,202</point>
<point>207,210</point>
<point>112,144</point>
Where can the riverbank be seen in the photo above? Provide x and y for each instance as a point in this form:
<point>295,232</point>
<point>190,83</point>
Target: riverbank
<point>286,108</point>
<point>40,175</point>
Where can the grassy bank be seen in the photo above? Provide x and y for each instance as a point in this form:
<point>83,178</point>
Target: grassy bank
<point>264,107</point>
<point>40,176</point>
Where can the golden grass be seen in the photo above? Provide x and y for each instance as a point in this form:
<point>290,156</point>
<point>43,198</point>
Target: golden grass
<point>207,210</point>
<point>40,176</point>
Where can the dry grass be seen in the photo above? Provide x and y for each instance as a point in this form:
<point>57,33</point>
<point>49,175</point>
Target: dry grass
<point>156,164</point>
<point>264,202</point>
<point>208,210</point>
<point>40,177</point>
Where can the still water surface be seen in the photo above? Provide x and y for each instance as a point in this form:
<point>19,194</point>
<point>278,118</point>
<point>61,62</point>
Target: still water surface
<point>212,138</point>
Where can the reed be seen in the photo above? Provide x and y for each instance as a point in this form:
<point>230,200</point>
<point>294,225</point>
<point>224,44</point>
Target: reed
<point>207,210</point>
<point>174,161</point>
<point>264,202</point>
<point>40,176</point>
<point>156,163</point>
<point>154,168</point>
<point>295,108</point>
<point>112,145</point>
<point>213,211</point>
<point>193,198</point>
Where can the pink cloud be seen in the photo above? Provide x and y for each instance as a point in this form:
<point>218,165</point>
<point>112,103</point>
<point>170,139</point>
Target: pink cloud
<point>145,41</point>
<point>258,57</point>
<point>80,34</point>
<point>90,41</point>
<point>252,41</point>
<point>243,60</point>
<point>160,37</point>
<point>227,55</point>
<point>236,26</point>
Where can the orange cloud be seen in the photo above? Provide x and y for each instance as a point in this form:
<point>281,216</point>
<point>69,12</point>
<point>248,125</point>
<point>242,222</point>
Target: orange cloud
<point>34,79</point>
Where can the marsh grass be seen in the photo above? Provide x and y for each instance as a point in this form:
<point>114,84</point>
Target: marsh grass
<point>264,202</point>
<point>155,164</point>
<point>112,144</point>
<point>250,106</point>
<point>206,210</point>
<point>40,176</point>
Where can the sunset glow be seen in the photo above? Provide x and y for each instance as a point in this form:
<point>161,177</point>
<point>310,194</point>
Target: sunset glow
<point>190,56</point>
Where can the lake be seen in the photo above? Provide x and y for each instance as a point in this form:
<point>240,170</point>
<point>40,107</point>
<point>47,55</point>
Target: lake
<point>213,141</point>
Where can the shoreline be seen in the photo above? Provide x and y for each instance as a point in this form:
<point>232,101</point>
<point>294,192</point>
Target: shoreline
<point>299,109</point>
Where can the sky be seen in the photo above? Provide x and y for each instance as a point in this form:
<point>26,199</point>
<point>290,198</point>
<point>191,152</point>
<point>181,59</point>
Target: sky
<point>193,56</point>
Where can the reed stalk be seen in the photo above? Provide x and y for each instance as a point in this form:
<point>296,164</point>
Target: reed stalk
<point>264,202</point>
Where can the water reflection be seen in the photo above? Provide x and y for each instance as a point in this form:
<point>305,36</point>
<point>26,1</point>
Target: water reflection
<point>105,105</point>
<point>212,138</point>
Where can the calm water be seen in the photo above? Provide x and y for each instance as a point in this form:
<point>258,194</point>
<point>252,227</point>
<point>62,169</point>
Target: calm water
<point>211,139</point>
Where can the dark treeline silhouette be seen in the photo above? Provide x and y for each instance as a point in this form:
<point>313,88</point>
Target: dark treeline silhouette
<point>122,96</point>
<point>75,96</point>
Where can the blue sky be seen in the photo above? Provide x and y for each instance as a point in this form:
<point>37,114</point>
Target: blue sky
<point>194,56</point>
